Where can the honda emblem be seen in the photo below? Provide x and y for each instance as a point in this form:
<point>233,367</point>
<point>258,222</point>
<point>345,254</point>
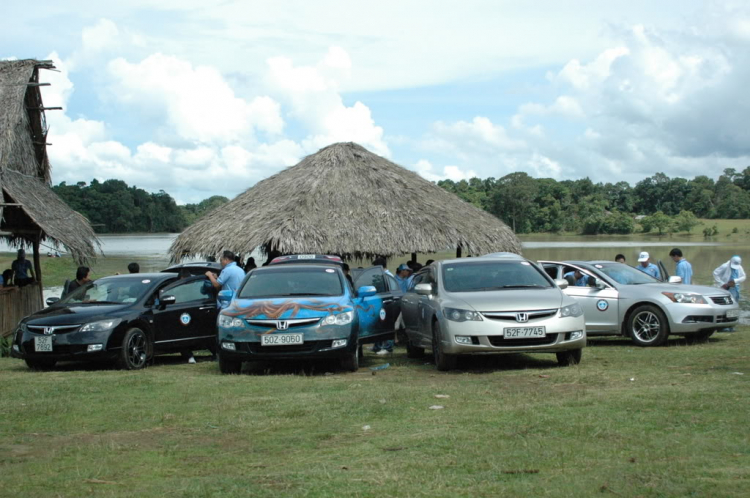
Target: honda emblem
<point>282,325</point>
<point>522,317</point>
<point>49,330</point>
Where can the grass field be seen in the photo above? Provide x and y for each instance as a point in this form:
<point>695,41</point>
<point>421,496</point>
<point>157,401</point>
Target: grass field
<point>667,421</point>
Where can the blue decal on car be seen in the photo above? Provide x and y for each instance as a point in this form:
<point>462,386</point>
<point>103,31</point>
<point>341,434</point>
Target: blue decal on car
<point>602,305</point>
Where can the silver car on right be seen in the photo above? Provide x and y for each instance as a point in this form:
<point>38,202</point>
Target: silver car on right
<point>617,299</point>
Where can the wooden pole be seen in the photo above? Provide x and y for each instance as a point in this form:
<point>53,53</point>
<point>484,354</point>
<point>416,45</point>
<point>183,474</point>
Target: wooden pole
<point>458,252</point>
<point>413,257</point>
<point>38,265</point>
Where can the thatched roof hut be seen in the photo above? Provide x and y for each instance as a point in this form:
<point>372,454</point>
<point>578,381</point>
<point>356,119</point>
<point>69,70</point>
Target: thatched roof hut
<point>346,200</point>
<point>30,212</point>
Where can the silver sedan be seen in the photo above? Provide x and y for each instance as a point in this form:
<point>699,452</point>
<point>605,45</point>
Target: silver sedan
<point>617,299</point>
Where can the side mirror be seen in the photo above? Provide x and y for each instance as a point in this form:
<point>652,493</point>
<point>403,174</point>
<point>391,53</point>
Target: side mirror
<point>167,300</point>
<point>367,291</point>
<point>52,300</point>
<point>596,283</point>
<point>225,296</point>
<point>674,279</point>
<point>561,283</point>
<point>423,289</point>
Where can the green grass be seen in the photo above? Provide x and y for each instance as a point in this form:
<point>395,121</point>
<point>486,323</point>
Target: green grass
<point>667,421</point>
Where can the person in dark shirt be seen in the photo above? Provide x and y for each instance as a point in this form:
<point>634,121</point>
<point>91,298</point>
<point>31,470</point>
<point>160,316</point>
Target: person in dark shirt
<point>250,265</point>
<point>83,274</point>
<point>22,269</point>
<point>347,274</point>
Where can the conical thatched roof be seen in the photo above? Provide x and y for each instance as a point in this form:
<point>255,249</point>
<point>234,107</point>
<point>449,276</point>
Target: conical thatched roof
<point>346,200</point>
<point>29,209</point>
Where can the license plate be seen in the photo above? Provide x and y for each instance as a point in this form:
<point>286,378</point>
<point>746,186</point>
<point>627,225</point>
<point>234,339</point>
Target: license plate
<point>281,339</point>
<point>524,332</point>
<point>43,344</point>
<point>733,313</point>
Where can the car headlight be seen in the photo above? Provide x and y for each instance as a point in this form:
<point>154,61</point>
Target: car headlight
<point>227,321</point>
<point>458,315</point>
<point>685,297</point>
<point>344,318</point>
<point>573,310</point>
<point>102,325</point>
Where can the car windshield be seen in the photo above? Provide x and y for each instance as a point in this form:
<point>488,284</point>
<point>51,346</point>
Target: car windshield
<point>624,274</point>
<point>492,275</point>
<point>288,281</point>
<point>109,291</point>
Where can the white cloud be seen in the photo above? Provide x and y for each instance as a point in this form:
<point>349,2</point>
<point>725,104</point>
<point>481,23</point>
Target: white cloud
<point>426,170</point>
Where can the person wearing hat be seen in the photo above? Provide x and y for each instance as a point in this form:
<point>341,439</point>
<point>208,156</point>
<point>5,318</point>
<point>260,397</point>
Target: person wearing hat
<point>647,267</point>
<point>22,269</point>
<point>730,275</point>
<point>404,277</point>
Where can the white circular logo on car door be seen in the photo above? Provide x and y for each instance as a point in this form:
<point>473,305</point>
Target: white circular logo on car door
<point>602,305</point>
<point>382,313</point>
<point>185,319</point>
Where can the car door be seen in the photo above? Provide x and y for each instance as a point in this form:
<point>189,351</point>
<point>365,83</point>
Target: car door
<point>371,310</point>
<point>190,321</point>
<point>600,305</point>
<point>426,307</point>
<point>410,304</point>
<point>663,272</point>
<point>392,302</point>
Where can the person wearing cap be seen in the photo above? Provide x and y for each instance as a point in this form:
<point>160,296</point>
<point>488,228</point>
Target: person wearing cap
<point>683,268</point>
<point>730,275</point>
<point>647,267</point>
<point>22,269</point>
<point>404,277</point>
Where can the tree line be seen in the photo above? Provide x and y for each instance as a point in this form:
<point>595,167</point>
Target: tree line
<point>657,203</point>
<point>113,206</point>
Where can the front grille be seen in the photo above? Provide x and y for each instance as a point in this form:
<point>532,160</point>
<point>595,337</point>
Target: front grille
<point>512,315</point>
<point>723,300</point>
<point>58,329</point>
<point>500,341</point>
<point>307,347</point>
<point>698,319</point>
<point>291,323</point>
<point>726,319</point>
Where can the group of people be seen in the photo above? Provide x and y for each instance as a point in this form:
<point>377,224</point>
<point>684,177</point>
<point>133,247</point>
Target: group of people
<point>20,273</point>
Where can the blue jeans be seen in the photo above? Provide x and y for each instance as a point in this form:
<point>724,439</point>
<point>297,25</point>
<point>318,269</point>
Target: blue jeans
<point>387,345</point>
<point>735,292</point>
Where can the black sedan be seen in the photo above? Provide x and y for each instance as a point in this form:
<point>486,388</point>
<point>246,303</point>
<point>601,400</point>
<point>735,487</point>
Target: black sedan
<point>125,318</point>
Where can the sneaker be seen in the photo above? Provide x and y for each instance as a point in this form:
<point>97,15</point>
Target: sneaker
<point>383,352</point>
<point>192,360</point>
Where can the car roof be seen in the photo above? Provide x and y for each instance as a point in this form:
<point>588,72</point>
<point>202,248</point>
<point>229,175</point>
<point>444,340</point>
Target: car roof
<point>144,276</point>
<point>307,259</point>
<point>210,265</point>
<point>297,265</point>
<point>496,257</point>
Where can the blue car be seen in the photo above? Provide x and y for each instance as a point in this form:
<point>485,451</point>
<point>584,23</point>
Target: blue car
<point>306,311</point>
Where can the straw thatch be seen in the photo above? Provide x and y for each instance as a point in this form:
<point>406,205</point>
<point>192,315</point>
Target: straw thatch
<point>25,168</point>
<point>346,200</point>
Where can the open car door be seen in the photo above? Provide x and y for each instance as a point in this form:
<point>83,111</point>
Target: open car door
<point>373,311</point>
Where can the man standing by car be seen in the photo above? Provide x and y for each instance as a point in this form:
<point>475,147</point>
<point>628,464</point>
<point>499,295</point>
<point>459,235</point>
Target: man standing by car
<point>230,278</point>
<point>730,275</point>
<point>683,268</point>
<point>403,277</point>
<point>83,276</point>
<point>647,267</point>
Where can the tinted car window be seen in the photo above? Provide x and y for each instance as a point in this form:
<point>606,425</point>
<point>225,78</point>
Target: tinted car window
<point>121,291</point>
<point>418,278</point>
<point>624,274</point>
<point>372,276</point>
<point>187,292</point>
<point>292,281</point>
<point>492,275</point>
<point>392,284</point>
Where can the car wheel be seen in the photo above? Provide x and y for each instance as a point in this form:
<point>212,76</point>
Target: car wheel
<point>229,367</point>
<point>648,326</point>
<point>443,362</point>
<point>351,360</point>
<point>568,358</point>
<point>41,364</point>
<point>413,351</point>
<point>135,350</point>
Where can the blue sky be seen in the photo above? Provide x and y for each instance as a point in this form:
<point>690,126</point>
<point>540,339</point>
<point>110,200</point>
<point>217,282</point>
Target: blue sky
<point>208,97</point>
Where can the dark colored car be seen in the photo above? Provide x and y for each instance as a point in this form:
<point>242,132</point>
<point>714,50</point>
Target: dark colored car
<point>195,268</point>
<point>306,311</point>
<point>125,318</point>
<point>307,259</point>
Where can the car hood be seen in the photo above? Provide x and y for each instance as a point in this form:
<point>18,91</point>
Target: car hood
<point>511,299</point>
<point>288,308</point>
<point>73,315</point>
<point>666,287</point>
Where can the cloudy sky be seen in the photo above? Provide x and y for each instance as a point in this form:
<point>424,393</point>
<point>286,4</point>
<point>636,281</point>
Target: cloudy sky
<point>208,97</point>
